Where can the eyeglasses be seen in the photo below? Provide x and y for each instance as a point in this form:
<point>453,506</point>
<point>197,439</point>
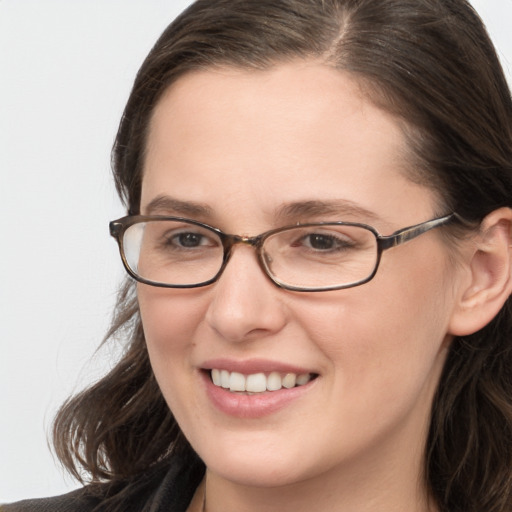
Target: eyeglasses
<point>174,252</point>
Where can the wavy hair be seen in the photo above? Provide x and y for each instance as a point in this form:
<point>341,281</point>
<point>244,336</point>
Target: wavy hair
<point>431,64</point>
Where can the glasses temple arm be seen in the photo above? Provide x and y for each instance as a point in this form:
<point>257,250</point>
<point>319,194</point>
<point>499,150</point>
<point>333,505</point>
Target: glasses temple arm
<point>406,234</point>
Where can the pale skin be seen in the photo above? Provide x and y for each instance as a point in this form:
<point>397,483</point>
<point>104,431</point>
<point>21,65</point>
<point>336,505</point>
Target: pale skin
<point>231,148</point>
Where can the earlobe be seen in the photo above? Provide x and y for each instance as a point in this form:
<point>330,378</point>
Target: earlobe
<point>490,275</point>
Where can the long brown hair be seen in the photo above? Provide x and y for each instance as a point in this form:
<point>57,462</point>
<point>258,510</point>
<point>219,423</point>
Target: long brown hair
<point>429,62</point>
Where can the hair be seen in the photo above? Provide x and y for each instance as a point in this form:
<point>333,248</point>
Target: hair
<point>432,65</point>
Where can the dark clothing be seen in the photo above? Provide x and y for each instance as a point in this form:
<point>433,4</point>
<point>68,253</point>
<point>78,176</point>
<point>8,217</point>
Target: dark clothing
<point>166,488</point>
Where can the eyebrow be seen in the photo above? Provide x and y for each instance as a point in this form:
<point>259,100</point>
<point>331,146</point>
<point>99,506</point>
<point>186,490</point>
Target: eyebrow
<point>315,208</point>
<point>165,205</point>
<point>287,213</point>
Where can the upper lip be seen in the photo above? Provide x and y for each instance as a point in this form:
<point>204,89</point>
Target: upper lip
<point>251,366</point>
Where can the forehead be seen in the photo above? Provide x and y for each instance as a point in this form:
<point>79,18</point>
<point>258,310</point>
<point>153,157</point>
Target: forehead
<point>300,94</point>
<point>298,131</point>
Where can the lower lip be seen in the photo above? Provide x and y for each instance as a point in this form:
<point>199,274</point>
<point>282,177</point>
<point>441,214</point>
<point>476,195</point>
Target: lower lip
<point>258,405</point>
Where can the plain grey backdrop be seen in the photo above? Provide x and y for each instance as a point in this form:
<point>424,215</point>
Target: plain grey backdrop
<point>66,69</point>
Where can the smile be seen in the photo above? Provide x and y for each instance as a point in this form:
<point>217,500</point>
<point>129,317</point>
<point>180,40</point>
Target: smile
<point>258,382</point>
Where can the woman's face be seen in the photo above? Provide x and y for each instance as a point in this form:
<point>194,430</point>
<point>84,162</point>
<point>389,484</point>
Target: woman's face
<point>249,151</point>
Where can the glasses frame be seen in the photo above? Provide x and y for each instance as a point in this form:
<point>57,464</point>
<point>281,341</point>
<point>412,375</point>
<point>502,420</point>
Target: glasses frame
<point>384,242</point>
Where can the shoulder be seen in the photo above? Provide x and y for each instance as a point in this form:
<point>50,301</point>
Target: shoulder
<point>80,500</point>
<point>168,487</point>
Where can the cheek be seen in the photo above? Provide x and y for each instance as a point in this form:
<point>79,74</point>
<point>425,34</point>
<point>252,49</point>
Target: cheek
<point>169,318</point>
<point>387,337</point>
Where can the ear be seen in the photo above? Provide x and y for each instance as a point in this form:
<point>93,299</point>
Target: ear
<point>489,279</point>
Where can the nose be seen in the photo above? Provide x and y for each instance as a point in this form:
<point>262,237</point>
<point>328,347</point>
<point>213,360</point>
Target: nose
<point>245,304</point>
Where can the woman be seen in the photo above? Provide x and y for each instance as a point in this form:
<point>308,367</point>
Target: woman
<point>348,347</point>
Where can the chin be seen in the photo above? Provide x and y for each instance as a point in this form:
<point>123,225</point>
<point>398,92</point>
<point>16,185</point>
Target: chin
<point>253,474</point>
<point>257,463</point>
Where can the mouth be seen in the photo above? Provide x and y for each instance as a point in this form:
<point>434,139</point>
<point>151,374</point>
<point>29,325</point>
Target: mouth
<point>257,383</point>
<point>255,388</point>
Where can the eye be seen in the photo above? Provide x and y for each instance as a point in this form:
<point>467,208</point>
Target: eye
<point>190,240</point>
<point>324,242</point>
<point>320,242</point>
<point>171,236</point>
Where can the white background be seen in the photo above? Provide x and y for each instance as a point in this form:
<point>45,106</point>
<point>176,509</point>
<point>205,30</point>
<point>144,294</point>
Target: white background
<point>66,69</point>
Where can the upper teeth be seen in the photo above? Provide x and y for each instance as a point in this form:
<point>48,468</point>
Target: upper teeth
<point>258,382</point>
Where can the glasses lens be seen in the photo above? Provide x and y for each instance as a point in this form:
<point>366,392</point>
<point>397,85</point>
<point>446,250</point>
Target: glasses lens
<point>312,257</point>
<point>172,252</point>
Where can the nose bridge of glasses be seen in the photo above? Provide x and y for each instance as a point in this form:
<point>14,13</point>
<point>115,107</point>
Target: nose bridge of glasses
<point>230,240</point>
<point>252,241</point>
